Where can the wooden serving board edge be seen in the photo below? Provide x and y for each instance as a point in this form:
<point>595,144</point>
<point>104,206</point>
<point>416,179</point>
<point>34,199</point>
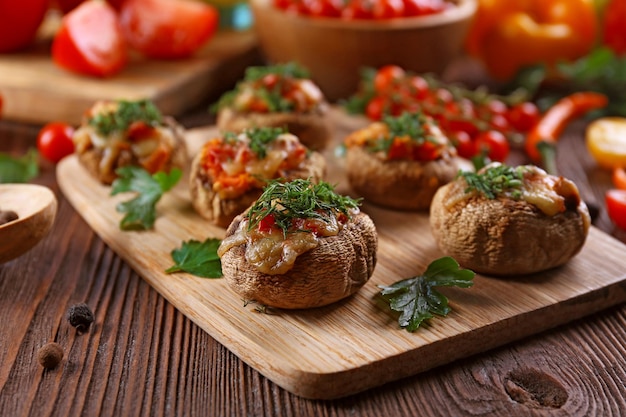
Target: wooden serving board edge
<point>364,373</point>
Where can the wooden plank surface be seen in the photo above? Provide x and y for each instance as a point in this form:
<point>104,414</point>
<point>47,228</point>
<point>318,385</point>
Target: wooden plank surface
<point>35,90</point>
<point>355,344</point>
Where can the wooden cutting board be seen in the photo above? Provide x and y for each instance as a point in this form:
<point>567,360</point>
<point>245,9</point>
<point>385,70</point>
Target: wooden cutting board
<point>355,344</point>
<point>35,90</point>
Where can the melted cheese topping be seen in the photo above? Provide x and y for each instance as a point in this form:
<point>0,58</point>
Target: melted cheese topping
<point>273,252</point>
<point>548,193</point>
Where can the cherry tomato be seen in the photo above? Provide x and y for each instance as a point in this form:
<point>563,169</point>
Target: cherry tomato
<point>323,8</point>
<point>387,9</point>
<point>19,21</point>
<point>423,7</point>
<point>357,9</point>
<point>376,108</point>
<point>523,116</point>
<point>494,144</point>
<point>90,41</point>
<point>616,207</point>
<point>619,178</point>
<point>54,141</point>
<point>462,141</point>
<point>614,32</point>
<point>167,29</point>
<point>387,78</point>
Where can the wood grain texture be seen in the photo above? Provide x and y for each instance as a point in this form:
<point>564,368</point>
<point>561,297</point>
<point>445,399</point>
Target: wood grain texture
<point>35,90</point>
<point>174,368</point>
<point>355,344</point>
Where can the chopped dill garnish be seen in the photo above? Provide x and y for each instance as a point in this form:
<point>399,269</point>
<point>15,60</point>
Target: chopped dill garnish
<point>261,137</point>
<point>127,112</point>
<point>298,199</point>
<point>495,180</point>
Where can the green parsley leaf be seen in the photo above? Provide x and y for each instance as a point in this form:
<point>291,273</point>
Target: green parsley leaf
<point>416,298</point>
<point>127,113</point>
<point>198,258</point>
<point>289,69</point>
<point>19,170</point>
<point>141,210</point>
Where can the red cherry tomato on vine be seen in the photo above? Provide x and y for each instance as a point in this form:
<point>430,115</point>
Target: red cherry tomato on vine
<point>616,207</point>
<point>167,29</point>
<point>376,108</point>
<point>494,144</point>
<point>523,116</point>
<point>90,41</point>
<point>387,78</point>
<point>463,143</point>
<point>54,141</point>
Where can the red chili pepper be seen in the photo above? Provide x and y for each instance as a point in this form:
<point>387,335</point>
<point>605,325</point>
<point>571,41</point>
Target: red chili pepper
<point>541,140</point>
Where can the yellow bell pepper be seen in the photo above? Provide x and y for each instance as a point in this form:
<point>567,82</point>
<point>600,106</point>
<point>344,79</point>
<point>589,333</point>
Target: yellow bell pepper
<point>507,35</point>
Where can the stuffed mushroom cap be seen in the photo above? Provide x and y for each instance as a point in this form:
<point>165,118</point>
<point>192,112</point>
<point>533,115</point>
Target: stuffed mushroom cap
<point>400,163</point>
<point>509,220</point>
<point>322,260</point>
<point>281,95</point>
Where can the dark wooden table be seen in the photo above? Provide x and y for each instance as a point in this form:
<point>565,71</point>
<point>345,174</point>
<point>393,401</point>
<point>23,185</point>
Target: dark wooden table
<point>142,357</point>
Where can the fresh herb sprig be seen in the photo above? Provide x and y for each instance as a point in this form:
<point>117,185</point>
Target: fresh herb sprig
<point>286,70</point>
<point>127,112</point>
<point>140,212</point>
<point>19,169</point>
<point>272,97</point>
<point>495,180</point>
<point>416,298</point>
<point>298,199</point>
<point>197,258</point>
<point>261,137</point>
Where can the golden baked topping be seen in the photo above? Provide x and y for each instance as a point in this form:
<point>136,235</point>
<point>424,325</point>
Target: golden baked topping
<point>279,88</point>
<point>137,127</point>
<point>287,220</point>
<point>410,136</point>
<point>237,163</point>
<point>550,194</point>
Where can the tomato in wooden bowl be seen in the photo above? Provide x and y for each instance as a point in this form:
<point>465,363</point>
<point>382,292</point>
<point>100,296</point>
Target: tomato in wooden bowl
<point>335,49</point>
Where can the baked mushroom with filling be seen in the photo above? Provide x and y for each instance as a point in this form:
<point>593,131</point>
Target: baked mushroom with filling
<point>230,171</point>
<point>281,95</point>
<point>300,245</point>
<point>115,134</point>
<point>507,220</point>
<point>401,161</point>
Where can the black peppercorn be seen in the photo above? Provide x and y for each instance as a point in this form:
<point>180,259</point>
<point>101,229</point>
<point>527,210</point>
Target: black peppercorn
<point>50,355</point>
<point>80,316</point>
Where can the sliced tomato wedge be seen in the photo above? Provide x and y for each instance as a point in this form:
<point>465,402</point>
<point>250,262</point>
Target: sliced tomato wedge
<point>90,41</point>
<point>167,29</point>
<point>616,207</point>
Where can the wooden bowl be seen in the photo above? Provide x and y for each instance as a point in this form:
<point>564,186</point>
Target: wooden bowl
<point>36,207</point>
<point>335,50</point>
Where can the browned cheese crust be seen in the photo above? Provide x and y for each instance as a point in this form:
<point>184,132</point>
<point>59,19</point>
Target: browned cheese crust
<point>399,184</point>
<point>333,270</point>
<point>92,158</point>
<point>504,236</point>
<point>312,129</point>
<point>222,211</point>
